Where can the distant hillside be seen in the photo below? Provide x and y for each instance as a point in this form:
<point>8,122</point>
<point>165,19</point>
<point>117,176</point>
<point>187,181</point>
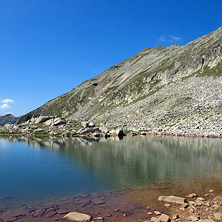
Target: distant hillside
<point>7,119</point>
<point>162,88</point>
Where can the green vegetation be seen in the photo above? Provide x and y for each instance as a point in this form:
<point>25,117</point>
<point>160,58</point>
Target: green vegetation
<point>214,72</point>
<point>180,102</point>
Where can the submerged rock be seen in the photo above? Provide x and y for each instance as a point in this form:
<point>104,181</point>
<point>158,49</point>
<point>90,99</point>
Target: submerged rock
<point>77,217</point>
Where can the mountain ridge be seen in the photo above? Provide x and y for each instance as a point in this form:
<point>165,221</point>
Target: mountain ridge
<point>8,119</point>
<point>150,88</point>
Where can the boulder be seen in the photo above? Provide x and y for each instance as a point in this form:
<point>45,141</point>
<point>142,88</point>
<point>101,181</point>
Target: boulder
<point>90,130</point>
<point>90,124</point>
<point>164,218</point>
<point>59,121</point>
<point>42,119</point>
<point>39,130</point>
<point>155,219</point>
<point>117,132</point>
<point>77,217</point>
<point>172,199</point>
<point>49,122</point>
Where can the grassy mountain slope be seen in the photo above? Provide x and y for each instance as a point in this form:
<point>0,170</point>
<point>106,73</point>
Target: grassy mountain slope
<point>158,88</point>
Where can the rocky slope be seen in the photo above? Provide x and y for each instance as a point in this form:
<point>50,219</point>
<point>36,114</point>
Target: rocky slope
<point>176,89</point>
<point>7,119</point>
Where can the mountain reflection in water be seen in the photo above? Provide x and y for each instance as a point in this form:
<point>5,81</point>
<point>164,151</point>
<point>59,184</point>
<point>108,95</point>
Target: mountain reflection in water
<point>140,160</point>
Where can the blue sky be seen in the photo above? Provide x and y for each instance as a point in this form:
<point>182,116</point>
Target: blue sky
<point>47,47</point>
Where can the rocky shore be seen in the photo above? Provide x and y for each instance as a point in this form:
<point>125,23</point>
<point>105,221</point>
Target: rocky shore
<point>53,126</point>
<point>107,206</point>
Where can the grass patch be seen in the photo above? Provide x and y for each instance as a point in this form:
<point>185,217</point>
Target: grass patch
<point>181,101</point>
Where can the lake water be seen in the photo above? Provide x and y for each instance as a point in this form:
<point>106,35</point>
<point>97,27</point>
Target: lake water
<point>39,169</point>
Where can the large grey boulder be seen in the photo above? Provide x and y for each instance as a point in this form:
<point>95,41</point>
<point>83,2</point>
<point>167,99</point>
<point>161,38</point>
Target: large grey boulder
<point>77,217</point>
<point>49,122</point>
<point>91,130</point>
<point>42,119</point>
<point>59,121</point>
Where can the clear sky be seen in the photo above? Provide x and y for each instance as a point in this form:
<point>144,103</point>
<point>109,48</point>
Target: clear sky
<point>47,47</point>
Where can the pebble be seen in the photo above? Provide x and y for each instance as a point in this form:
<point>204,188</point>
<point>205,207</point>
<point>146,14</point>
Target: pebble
<point>192,195</point>
<point>98,218</point>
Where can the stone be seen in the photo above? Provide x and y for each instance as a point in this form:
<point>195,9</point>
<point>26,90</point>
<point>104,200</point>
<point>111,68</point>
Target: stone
<point>155,219</point>
<point>91,124</point>
<point>49,122</point>
<point>117,132</point>
<point>174,217</point>
<point>218,216</point>
<point>185,205</point>
<point>164,218</point>
<point>150,213</point>
<point>98,218</point>
<point>211,191</point>
<point>172,199</point>
<point>199,202</point>
<point>200,198</point>
<point>58,121</point>
<point>42,119</point>
<point>157,212</point>
<point>192,195</point>
<point>193,218</point>
<point>39,130</point>
<point>77,217</point>
<point>167,205</point>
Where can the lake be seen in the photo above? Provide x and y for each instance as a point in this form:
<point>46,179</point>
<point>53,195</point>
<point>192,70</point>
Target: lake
<point>39,169</point>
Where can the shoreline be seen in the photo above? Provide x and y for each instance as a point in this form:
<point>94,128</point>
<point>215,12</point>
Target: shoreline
<point>128,205</point>
<point>112,135</point>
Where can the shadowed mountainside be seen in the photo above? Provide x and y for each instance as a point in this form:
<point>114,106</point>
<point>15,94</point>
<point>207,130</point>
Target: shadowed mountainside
<point>7,119</point>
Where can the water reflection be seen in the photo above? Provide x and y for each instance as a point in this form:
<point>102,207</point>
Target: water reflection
<point>140,160</point>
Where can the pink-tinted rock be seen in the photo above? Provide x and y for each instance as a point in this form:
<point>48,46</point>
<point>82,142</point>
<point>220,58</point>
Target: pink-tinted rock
<point>164,218</point>
<point>172,199</point>
<point>155,219</point>
<point>77,217</point>
<point>218,216</point>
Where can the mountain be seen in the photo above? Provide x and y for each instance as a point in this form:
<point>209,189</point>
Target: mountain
<point>162,88</point>
<point>7,119</point>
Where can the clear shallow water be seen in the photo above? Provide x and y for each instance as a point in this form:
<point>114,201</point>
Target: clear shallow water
<point>39,169</point>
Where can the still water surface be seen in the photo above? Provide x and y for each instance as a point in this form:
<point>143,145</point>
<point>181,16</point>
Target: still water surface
<point>38,169</point>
